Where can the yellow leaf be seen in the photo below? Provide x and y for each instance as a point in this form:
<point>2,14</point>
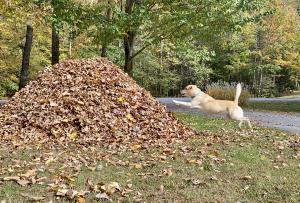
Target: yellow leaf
<point>137,166</point>
<point>136,147</point>
<point>130,117</point>
<point>80,199</point>
<point>44,101</point>
<point>121,99</point>
<point>111,188</point>
<point>192,161</point>
<point>72,136</point>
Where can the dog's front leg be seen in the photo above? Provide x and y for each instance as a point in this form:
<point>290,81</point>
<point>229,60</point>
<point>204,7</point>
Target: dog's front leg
<point>182,103</point>
<point>189,104</point>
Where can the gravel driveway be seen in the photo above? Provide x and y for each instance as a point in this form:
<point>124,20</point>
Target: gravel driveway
<point>284,121</point>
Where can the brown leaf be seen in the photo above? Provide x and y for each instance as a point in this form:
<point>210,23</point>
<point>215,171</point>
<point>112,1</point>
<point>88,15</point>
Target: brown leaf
<point>23,182</point>
<point>111,188</point>
<point>161,190</point>
<point>88,102</point>
<point>9,178</point>
<point>247,178</point>
<point>29,173</point>
<point>62,192</point>
<point>167,172</point>
<point>80,199</point>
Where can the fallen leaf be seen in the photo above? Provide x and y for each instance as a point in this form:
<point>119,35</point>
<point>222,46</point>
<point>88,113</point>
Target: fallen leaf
<point>111,188</point>
<point>167,172</point>
<point>80,199</point>
<point>72,136</point>
<point>9,178</point>
<point>17,179</point>
<point>23,182</point>
<point>161,190</point>
<point>247,178</point>
<point>103,196</point>
<point>137,166</point>
<point>121,99</point>
<point>62,192</point>
<point>29,173</point>
<point>130,117</point>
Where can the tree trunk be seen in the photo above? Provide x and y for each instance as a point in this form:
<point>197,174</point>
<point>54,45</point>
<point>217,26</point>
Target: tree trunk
<point>161,52</point>
<point>70,49</point>
<point>260,83</point>
<point>129,41</point>
<point>104,50</point>
<point>254,83</point>
<point>128,48</point>
<point>55,45</point>
<point>104,44</point>
<point>26,57</point>
<point>70,42</point>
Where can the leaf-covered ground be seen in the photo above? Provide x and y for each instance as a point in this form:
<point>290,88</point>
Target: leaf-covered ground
<point>225,165</point>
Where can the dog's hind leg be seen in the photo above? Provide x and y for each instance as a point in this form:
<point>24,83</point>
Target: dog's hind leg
<point>240,124</point>
<point>249,123</point>
<point>244,119</point>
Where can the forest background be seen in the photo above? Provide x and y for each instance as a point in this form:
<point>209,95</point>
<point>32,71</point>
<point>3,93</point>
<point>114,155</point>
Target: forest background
<point>163,44</point>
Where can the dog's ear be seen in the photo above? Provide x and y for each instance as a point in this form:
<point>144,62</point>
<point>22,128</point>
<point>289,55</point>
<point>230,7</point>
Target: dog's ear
<point>189,87</point>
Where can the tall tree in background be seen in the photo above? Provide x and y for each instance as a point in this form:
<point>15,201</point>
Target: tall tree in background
<point>26,57</point>
<point>55,34</point>
<point>108,18</point>
<point>173,38</point>
<point>129,38</point>
<point>265,55</point>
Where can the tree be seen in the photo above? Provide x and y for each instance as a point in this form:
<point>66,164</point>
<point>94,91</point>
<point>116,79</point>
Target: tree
<point>265,55</point>
<point>55,45</point>
<point>26,57</point>
<point>141,24</point>
<point>108,18</point>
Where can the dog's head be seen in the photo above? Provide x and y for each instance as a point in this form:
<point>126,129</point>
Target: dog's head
<point>190,91</point>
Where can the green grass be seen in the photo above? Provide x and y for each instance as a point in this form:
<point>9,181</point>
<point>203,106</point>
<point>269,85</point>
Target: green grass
<point>224,165</point>
<point>295,94</point>
<point>275,106</point>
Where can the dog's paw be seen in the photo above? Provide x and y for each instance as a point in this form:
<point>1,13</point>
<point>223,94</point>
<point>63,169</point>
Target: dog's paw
<point>176,102</point>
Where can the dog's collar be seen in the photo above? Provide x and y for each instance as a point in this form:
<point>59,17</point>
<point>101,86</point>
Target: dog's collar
<point>196,95</point>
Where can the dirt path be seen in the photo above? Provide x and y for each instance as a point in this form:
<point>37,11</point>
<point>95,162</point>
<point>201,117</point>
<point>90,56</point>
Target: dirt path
<point>284,121</point>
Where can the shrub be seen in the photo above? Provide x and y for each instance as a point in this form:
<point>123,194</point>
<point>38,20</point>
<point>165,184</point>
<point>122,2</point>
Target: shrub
<point>226,91</point>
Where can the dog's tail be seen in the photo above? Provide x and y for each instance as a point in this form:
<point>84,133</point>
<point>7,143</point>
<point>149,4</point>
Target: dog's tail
<point>238,93</point>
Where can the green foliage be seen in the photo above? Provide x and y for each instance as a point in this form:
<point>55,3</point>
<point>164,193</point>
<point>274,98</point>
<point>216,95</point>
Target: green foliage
<point>177,43</point>
<point>264,55</point>
<point>166,68</point>
<point>12,39</point>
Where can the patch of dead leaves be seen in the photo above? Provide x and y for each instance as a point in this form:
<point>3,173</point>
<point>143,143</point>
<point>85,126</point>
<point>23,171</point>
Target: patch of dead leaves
<point>88,102</point>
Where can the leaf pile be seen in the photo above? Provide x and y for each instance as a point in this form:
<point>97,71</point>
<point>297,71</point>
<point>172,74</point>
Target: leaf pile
<point>87,102</point>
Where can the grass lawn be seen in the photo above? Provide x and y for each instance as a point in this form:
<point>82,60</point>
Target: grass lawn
<point>275,106</point>
<point>223,165</point>
<point>295,94</point>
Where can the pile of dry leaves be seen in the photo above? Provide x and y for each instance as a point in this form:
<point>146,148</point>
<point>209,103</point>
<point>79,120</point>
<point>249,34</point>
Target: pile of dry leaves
<point>87,102</point>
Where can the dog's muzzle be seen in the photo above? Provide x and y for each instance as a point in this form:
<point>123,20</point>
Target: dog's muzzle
<point>183,92</point>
